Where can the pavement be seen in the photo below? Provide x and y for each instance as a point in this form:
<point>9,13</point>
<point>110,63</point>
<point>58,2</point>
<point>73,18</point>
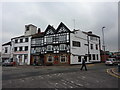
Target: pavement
<point>114,72</point>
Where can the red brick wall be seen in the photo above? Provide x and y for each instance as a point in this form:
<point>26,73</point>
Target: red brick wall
<point>104,57</point>
<point>57,62</point>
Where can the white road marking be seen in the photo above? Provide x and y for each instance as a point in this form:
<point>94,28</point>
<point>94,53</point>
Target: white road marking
<point>22,80</point>
<point>40,77</point>
<point>80,85</point>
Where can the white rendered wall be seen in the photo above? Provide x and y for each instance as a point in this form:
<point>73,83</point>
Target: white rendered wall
<point>94,51</point>
<point>32,30</point>
<point>17,53</point>
<point>78,51</point>
<point>83,50</point>
<point>6,55</point>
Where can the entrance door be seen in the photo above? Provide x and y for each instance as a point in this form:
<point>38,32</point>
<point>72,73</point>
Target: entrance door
<point>20,59</point>
<point>56,59</point>
<point>85,57</point>
<point>42,59</point>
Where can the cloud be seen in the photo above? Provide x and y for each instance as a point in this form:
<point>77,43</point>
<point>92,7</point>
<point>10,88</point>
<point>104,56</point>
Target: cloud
<point>88,16</point>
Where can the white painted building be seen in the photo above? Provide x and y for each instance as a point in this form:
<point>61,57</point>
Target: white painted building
<point>6,51</point>
<point>21,46</point>
<point>84,45</point>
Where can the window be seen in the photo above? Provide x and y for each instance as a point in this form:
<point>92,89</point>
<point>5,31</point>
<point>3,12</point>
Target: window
<point>62,38</point>
<point>20,48</point>
<point>62,46</point>
<point>91,46</point>
<point>48,39</point>
<point>15,48</point>
<point>16,41</point>
<point>6,49</point>
<point>38,49</point>
<point>76,43</point>
<point>54,39</point>
<point>96,47</point>
<point>50,58</point>
<point>93,56</point>
<point>93,38</point>
<point>89,56</point>
<point>97,56</point>
<point>26,48</point>
<point>79,58</point>
<point>49,48</point>
<point>27,28</point>
<point>85,57</point>
<point>21,40</point>
<point>26,39</point>
<point>38,41</point>
<point>63,59</point>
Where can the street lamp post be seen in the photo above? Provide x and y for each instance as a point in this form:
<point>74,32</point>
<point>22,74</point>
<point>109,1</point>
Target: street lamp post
<point>103,39</point>
<point>103,42</point>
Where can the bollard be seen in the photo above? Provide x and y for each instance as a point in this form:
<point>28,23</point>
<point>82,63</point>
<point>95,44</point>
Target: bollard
<point>118,67</point>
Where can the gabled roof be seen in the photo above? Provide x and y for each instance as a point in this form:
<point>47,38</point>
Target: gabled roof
<point>8,43</point>
<point>49,27</point>
<point>62,25</point>
<point>90,34</point>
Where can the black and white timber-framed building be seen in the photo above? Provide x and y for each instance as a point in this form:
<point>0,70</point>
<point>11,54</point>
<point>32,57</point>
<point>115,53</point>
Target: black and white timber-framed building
<point>51,46</point>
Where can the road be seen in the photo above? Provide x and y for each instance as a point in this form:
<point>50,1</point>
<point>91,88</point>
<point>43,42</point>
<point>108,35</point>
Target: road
<point>58,77</point>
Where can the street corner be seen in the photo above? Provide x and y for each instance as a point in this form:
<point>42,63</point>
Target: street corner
<point>114,72</point>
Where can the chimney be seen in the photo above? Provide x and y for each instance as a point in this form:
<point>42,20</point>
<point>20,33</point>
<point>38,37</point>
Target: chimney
<point>90,32</point>
<point>39,30</point>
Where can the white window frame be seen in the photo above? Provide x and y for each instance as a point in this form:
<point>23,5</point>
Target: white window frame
<point>65,59</point>
<point>48,58</point>
<point>62,38</point>
<point>51,48</point>
<point>64,45</point>
<point>49,39</point>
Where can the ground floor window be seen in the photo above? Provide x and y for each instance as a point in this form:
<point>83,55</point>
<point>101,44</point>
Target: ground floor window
<point>85,57</point>
<point>89,56</point>
<point>20,59</point>
<point>97,56</point>
<point>25,59</point>
<point>93,56</point>
<point>50,58</point>
<point>62,58</point>
<point>79,58</point>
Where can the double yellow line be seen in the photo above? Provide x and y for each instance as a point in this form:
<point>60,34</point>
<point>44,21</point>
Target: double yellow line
<point>109,72</point>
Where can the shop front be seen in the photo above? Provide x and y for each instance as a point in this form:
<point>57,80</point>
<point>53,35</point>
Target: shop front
<point>37,59</point>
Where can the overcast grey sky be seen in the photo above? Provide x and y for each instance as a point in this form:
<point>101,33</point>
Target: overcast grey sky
<point>89,16</point>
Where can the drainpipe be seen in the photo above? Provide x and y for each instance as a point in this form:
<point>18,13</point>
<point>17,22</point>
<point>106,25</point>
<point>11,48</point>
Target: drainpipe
<point>88,47</point>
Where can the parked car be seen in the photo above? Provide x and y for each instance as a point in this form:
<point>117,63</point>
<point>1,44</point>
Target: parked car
<point>9,62</point>
<point>112,61</point>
